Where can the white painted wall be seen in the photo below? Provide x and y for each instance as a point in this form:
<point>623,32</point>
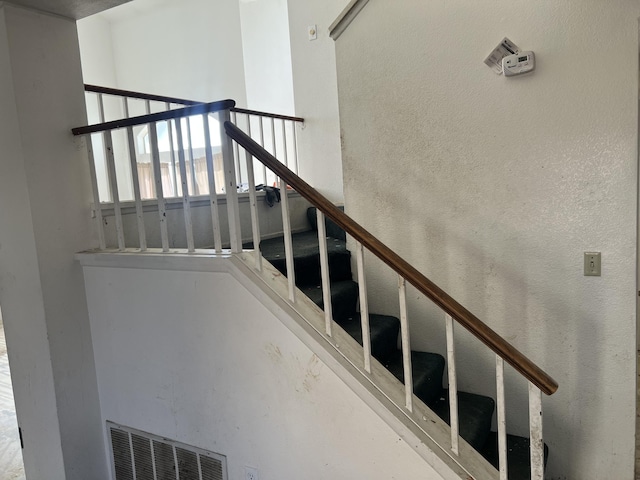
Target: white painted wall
<point>495,187</point>
<point>189,49</point>
<point>267,55</point>
<point>96,51</point>
<point>44,220</point>
<point>316,94</point>
<point>193,356</point>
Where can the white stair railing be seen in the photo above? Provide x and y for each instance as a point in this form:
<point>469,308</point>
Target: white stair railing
<point>538,381</point>
<point>165,149</point>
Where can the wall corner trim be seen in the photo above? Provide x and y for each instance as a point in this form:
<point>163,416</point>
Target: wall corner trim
<point>347,16</point>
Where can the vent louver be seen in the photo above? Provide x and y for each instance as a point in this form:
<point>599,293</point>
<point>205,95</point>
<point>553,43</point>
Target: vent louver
<point>142,456</point>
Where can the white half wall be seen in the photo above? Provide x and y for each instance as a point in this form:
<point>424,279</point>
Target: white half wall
<point>195,357</point>
<point>494,187</point>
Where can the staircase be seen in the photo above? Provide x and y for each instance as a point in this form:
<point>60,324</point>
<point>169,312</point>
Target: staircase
<point>475,411</point>
<point>327,278</point>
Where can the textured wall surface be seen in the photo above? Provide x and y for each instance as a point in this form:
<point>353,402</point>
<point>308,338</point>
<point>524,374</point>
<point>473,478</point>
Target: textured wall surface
<point>195,357</point>
<point>495,187</point>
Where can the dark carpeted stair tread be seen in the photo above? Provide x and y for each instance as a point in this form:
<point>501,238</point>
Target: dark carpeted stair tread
<point>518,455</point>
<point>384,334</point>
<point>474,416</point>
<point>344,297</point>
<point>306,257</point>
<point>332,229</point>
<point>427,369</point>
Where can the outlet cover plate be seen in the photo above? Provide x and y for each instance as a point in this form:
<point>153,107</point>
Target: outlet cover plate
<point>251,473</point>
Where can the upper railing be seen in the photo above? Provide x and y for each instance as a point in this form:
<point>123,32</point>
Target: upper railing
<point>139,142</point>
<point>129,94</point>
<point>137,95</point>
<point>165,141</point>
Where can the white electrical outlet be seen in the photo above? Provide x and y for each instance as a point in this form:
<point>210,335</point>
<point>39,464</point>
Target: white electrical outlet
<point>251,473</point>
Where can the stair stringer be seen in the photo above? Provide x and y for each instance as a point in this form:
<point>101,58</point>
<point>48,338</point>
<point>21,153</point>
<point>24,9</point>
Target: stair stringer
<point>422,429</point>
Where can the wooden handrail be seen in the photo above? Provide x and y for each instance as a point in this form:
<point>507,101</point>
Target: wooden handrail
<point>469,321</point>
<point>266,114</point>
<point>139,95</point>
<point>159,98</point>
<point>156,117</point>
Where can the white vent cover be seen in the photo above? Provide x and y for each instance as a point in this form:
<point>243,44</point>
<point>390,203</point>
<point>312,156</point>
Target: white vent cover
<point>138,455</point>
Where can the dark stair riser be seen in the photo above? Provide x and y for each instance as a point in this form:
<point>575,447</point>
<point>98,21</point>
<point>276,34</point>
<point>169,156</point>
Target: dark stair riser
<point>384,332</point>
<point>475,413</point>
<point>426,369</point>
<point>518,455</point>
<point>344,298</point>
<point>306,258</point>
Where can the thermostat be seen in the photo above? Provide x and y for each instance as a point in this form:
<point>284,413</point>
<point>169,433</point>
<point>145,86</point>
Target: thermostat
<point>518,63</point>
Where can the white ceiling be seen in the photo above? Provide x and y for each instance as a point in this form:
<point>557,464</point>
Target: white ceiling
<point>70,8</point>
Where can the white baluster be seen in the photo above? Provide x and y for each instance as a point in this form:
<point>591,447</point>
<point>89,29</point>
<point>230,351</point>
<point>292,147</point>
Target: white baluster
<point>453,386</point>
<point>295,146</point>
<point>96,194</point>
<point>253,201</point>
<point>324,272</point>
<point>273,137</point>
<point>284,145</point>
<point>162,207</point>
<point>264,168</point>
<point>501,417</point>
<point>213,195</point>
<point>406,343</point>
<point>142,237</point>
<point>288,243</point>
<point>172,153</point>
<point>192,165</point>
<point>186,203</point>
<point>535,432</point>
<point>364,307</point>
<point>113,183</point>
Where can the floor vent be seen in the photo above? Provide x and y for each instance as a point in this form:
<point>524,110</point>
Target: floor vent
<point>141,456</point>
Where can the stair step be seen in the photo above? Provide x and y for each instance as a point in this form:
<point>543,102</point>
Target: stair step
<point>384,334</point>
<point>332,229</point>
<point>344,297</point>
<point>518,455</point>
<point>427,369</point>
<point>475,413</point>
<point>306,257</point>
